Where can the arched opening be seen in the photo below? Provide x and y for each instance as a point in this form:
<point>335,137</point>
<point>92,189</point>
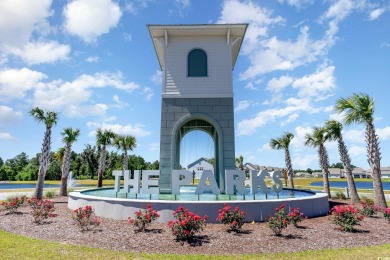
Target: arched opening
<point>197,63</point>
<point>203,137</point>
<point>197,151</point>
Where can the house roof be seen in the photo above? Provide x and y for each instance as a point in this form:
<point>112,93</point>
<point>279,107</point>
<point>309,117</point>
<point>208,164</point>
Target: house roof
<point>202,159</point>
<point>234,35</point>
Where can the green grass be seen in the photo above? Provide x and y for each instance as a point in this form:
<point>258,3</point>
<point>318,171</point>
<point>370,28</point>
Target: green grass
<point>19,247</point>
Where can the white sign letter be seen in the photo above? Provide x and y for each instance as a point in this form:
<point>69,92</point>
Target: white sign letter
<point>117,175</point>
<point>257,180</point>
<point>180,178</point>
<point>278,185</point>
<point>150,186</point>
<point>235,178</point>
<point>131,182</point>
<point>202,186</point>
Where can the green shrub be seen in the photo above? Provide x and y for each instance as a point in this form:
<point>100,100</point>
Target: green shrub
<point>50,194</point>
<point>279,221</point>
<point>340,195</point>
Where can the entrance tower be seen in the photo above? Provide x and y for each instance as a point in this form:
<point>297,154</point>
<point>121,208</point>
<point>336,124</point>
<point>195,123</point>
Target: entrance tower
<point>197,91</point>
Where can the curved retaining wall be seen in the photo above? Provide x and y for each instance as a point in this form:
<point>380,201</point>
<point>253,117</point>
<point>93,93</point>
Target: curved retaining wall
<point>116,208</point>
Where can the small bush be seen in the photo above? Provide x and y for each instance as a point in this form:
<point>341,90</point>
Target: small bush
<point>340,195</point>
<point>41,209</point>
<point>233,218</point>
<point>143,218</point>
<point>386,213</point>
<point>187,224</point>
<point>12,204</point>
<point>295,216</point>
<point>346,216</point>
<point>367,207</point>
<point>85,218</point>
<point>50,194</point>
<point>279,221</point>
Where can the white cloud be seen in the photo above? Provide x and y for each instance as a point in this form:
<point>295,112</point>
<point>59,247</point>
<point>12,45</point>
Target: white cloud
<point>20,18</point>
<point>85,110</point>
<point>148,93</point>
<point>317,84</point>
<point>273,54</point>
<point>338,117</point>
<point>8,115</point>
<point>277,85</point>
<point>41,52</point>
<point>20,22</point>
<point>374,14</point>
<point>305,161</point>
<point>250,85</point>
<point>118,103</point>
<point>383,133</point>
<point>75,95</point>
<point>242,105</point>
<point>354,136</point>
<point>357,153</point>
<point>89,19</point>
<point>298,3</point>
<point>7,137</point>
<point>258,17</point>
<point>299,137</point>
<point>92,59</point>
<point>136,130</point>
<point>290,119</point>
<point>156,78</point>
<point>264,148</point>
<point>14,83</point>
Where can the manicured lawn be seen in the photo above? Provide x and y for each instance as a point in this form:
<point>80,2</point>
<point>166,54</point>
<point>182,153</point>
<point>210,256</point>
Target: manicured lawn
<point>19,247</point>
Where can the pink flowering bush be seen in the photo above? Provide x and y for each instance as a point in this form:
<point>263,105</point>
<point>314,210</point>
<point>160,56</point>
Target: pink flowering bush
<point>367,207</point>
<point>187,224</point>
<point>233,218</point>
<point>295,216</point>
<point>144,217</point>
<point>85,218</point>
<point>279,221</point>
<point>386,213</point>
<point>346,216</point>
<point>41,209</point>
<point>13,204</point>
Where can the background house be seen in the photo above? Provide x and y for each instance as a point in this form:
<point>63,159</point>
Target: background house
<point>199,166</point>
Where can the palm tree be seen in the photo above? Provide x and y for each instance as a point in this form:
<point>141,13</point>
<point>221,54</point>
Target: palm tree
<point>317,140</point>
<point>333,132</point>
<point>359,108</point>
<point>69,136</point>
<point>125,143</point>
<point>283,142</point>
<point>103,138</point>
<point>240,161</point>
<point>49,118</point>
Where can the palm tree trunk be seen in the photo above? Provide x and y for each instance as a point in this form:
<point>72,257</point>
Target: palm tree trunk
<point>324,162</point>
<point>40,183</point>
<point>374,158</point>
<point>43,162</point>
<point>102,166</point>
<point>65,171</point>
<point>290,172</point>
<point>345,159</point>
<point>125,161</point>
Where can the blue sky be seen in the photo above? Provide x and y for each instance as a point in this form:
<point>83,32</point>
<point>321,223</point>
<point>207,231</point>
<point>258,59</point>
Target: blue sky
<point>93,61</point>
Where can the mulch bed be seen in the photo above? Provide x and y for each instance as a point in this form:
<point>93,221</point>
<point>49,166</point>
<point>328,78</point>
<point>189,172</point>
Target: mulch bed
<point>316,233</point>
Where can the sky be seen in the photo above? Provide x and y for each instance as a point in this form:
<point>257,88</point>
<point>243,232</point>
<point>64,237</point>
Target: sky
<point>93,62</point>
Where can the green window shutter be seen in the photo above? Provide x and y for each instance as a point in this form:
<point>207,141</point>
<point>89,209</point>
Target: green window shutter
<point>197,63</point>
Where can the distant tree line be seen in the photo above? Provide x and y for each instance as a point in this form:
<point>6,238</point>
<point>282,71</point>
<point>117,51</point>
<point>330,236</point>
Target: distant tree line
<point>83,165</point>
